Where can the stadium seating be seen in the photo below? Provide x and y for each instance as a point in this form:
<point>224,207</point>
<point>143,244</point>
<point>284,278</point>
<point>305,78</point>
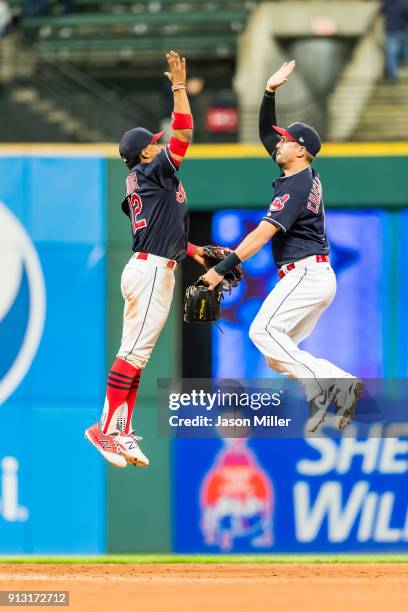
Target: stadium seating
<point>140,30</point>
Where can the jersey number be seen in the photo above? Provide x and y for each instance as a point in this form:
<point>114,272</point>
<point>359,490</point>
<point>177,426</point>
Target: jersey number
<point>135,209</point>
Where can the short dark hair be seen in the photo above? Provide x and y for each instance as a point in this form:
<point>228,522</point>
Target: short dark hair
<point>133,162</point>
<point>309,157</point>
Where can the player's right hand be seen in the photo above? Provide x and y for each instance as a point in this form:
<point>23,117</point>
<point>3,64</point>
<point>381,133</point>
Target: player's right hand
<point>280,76</point>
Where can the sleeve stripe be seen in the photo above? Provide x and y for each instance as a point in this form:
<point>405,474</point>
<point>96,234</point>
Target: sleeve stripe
<point>170,162</point>
<point>274,223</point>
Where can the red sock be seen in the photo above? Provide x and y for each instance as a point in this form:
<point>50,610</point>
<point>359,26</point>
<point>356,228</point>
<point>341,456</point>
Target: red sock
<point>131,400</point>
<point>120,382</point>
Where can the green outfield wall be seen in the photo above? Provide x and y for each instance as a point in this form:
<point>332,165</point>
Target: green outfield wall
<point>350,182</point>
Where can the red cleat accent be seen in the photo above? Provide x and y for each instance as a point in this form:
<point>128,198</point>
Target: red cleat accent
<point>106,444</point>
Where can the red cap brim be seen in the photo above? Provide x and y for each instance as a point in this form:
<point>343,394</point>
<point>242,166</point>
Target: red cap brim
<point>157,136</point>
<point>283,132</point>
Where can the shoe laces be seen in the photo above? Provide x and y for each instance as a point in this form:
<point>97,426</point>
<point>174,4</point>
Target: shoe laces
<point>132,435</point>
<point>341,393</point>
<point>137,438</point>
<point>320,404</point>
<point>115,441</point>
<point>327,397</point>
<point>341,397</point>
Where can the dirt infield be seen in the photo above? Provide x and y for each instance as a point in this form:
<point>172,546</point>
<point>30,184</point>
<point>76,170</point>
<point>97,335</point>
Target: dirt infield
<point>197,588</point>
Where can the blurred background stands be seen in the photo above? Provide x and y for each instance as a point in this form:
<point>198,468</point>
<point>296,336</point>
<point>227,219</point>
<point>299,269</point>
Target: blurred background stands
<point>87,70</point>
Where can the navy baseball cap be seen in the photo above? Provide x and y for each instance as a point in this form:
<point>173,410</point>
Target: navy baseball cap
<point>303,134</point>
<point>133,141</point>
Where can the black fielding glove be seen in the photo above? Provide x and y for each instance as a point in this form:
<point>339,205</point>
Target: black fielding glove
<point>202,305</point>
<point>213,255</point>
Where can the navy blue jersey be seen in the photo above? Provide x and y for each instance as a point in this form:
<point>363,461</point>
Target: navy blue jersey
<point>157,206</point>
<point>298,210</point>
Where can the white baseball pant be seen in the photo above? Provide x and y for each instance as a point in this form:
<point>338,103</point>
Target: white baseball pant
<point>147,287</point>
<point>288,316</point>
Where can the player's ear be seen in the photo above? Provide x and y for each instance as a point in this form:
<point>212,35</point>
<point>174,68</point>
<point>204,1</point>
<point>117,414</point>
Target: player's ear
<point>309,157</point>
<point>302,152</point>
<point>144,154</point>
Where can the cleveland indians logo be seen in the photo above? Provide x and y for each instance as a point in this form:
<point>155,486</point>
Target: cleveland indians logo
<point>181,194</point>
<point>279,203</point>
<point>22,302</point>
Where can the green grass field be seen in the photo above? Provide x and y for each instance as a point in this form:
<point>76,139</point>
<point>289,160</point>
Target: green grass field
<point>143,559</point>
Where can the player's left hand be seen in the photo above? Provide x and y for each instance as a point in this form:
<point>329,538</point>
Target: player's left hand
<point>212,279</point>
<point>177,68</point>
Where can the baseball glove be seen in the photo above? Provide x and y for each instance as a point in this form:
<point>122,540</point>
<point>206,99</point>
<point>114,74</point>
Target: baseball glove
<point>213,255</point>
<point>200,304</point>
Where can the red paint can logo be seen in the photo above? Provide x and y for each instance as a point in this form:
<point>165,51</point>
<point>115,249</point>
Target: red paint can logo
<point>236,499</point>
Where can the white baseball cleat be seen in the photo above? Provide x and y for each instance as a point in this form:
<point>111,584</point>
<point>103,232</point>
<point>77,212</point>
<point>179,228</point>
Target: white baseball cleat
<point>318,408</point>
<point>346,395</point>
<point>130,449</point>
<point>107,445</point>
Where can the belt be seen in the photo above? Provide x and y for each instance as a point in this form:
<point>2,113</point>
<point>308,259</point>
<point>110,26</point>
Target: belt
<point>170,262</point>
<point>285,269</point>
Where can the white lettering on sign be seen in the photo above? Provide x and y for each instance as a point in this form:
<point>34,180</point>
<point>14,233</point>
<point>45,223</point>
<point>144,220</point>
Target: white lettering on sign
<point>378,515</point>
<point>389,463</point>
<point>364,533</point>
<point>383,531</point>
<point>10,510</point>
<point>376,454</point>
<point>371,512</point>
<point>309,517</point>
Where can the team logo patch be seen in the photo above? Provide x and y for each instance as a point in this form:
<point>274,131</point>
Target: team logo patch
<point>279,203</point>
<point>181,194</point>
<point>131,183</point>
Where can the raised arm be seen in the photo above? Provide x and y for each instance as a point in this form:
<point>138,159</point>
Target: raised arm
<point>182,120</point>
<point>267,113</point>
<point>267,117</point>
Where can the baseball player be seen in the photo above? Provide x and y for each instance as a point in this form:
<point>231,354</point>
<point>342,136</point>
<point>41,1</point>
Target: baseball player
<point>156,205</point>
<point>295,224</point>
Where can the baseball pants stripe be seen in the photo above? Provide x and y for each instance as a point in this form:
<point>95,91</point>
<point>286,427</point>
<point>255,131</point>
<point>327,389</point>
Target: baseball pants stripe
<point>147,288</point>
<point>288,316</point>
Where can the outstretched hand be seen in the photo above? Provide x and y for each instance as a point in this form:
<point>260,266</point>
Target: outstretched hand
<point>177,68</point>
<point>280,76</point>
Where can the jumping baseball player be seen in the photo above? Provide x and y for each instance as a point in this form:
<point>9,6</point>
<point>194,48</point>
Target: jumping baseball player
<point>295,224</point>
<point>156,205</point>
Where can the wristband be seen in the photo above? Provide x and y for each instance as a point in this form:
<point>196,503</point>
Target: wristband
<point>180,121</point>
<point>228,264</point>
<point>191,249</point>
<point>178,147</point>
<point>176,87</point>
